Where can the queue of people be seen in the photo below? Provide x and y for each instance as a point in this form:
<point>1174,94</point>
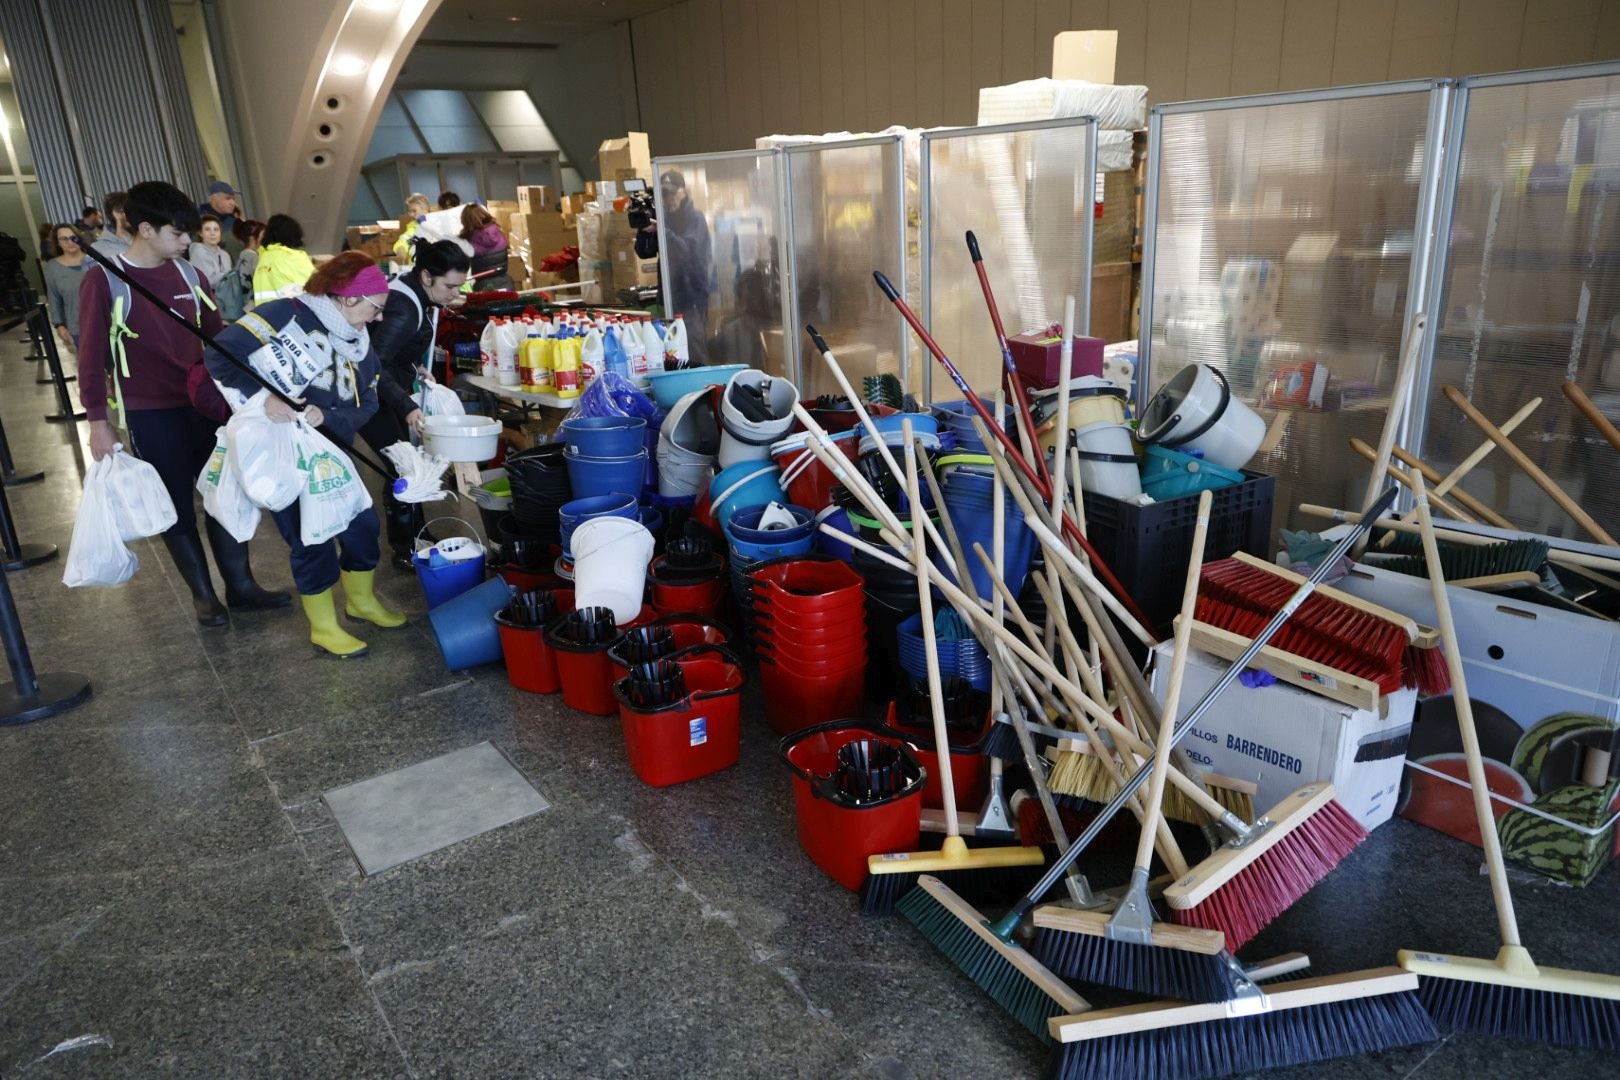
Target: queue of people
<point>365,343</point>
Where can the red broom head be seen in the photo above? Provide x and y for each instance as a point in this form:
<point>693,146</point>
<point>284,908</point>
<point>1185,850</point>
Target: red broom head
<point>1033,828</point>
<point>1271,884</point>
<point>1426,669</point>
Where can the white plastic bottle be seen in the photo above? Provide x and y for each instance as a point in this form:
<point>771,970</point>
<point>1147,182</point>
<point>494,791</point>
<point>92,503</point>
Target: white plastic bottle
<point>508,342</point>
<point>590,356</point>
<point>487,347</point>
<point>677,354</point>
<point>652,346</point>
<point>635,350</point>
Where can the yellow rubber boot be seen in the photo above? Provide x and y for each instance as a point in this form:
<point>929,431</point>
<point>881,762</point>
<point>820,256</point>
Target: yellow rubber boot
<point>359,602</point>
<point>324,631</point>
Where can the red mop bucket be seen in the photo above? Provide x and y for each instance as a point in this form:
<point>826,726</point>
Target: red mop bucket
<point>693,737</point>
<point>699,598</point>
<point>838,833</point>
<point>794,702</point>
<point>531,664</point>
<point>583,668</point>
<point>970,765</point>
<point>809,483</point>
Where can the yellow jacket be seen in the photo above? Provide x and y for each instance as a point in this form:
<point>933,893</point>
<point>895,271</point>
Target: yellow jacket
<point>281,272</point>
<point>402,246</point>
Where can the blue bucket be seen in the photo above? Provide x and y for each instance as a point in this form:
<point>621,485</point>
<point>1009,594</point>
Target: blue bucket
<point>744,525</point>
<point>449,578</point>
<point>605,436</point>
<point>607,475</point>
<point>747,483</point>
<point>574,514</point>
<point>744,553</point>
<point>972,514</point>
<point>465,627</point>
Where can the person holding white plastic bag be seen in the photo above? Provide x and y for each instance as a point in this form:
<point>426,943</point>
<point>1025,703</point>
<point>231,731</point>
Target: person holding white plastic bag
<point>403,340</point>
<point>322,337</point>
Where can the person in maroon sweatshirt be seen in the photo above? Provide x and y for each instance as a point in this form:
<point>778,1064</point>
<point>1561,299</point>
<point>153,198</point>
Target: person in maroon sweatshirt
<point>147,359</point>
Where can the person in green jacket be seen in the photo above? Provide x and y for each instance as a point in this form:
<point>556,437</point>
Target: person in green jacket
<point>415,207</point>
<point>283,266</point>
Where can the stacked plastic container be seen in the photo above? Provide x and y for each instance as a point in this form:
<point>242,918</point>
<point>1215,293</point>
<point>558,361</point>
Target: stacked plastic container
<point>808,615</point>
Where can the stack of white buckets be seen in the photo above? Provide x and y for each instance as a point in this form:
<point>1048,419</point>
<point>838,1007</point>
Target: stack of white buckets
<point>687,444</point>
<point>742,439</point>
<point>1097,422</point>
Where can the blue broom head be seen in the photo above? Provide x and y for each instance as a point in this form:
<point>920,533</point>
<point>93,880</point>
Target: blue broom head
<point>1516,1012</point>
<point>989,969</point>
<point>1145,969</point>
<point>1269,1040</point>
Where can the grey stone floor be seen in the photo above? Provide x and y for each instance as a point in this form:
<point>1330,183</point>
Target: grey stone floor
<point>172,886</point>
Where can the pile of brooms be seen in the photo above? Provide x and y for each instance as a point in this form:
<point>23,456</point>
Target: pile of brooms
<point>1115,748</point>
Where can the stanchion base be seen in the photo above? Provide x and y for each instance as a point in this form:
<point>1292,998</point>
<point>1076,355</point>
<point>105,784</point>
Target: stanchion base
<point>58,418</point>
<point>49,381</point>
<point>58,691</point>
<point>29,555</point>
<point>18,479</point>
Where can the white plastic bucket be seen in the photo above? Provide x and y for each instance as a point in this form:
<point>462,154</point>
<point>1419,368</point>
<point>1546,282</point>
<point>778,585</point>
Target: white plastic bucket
<point>462,438</point>
<point>1196,410</point>
<point>681,473</point>
<point>742,439</point>
<point>610,565</point>
<point>1092,400</point>
<point>1108,461</point>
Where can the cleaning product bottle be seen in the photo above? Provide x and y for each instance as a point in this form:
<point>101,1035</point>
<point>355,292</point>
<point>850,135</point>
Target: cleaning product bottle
<point>677,354</point>
<point>590,356</point>
<point>613,354</point>
<point>565,365</point>
<point>489,366</point>
<point>652,345</point>
<point>507,343</point>
<point>529,358</point>
<point>635,353</point>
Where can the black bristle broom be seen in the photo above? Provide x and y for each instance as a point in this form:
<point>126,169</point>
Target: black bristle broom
<point>1510,995</point>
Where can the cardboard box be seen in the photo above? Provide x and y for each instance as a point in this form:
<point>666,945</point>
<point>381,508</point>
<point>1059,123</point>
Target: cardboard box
<point>629,153</point>
<point>536,199</point>
<point>515,268</point>
<point>1085,54</point>
<point>371,240</point>
<point>542,234</point>
<point>1281,738</point>
<point>1545,689</point>
<point>629,269</point>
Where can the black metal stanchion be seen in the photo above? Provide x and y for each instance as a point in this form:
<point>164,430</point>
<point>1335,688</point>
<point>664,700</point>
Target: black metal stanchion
<point>30,696</point>
<point>34,342</point>
<point>64,401</point>
<point>9,475</point>
<point>15,555</point>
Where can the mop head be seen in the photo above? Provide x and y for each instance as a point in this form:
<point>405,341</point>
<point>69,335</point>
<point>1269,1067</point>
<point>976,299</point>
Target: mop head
<point>1073,946</point>
<point>1240,890</point>
<point>1014,980</point>
<point>421,474</point>
<point>1514,998</point>
<point>1298,1027</point>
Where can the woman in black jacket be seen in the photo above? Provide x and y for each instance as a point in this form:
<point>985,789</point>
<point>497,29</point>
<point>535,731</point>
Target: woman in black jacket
<point>403,341</point>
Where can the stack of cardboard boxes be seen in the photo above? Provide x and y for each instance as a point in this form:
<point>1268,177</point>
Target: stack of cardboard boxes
<point>375,240</point>
<point>607,243</point>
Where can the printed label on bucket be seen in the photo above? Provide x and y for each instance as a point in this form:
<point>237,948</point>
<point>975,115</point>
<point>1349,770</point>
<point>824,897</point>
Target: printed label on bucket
<point>697,731</point>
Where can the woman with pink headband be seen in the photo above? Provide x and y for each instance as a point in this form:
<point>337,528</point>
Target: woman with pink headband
<point>323,332</point>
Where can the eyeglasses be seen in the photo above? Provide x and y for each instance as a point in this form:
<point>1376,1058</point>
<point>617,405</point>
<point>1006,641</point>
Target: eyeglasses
<point>378,307</point>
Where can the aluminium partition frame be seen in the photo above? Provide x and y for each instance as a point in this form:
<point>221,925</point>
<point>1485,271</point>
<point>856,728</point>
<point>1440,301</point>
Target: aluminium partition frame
<point>792,328</point>
<point>926,197</point>
<point>1426,237</point>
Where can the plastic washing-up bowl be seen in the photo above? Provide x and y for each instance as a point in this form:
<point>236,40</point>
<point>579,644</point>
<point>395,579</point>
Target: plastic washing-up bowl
<point>668,387</point>
<point>462,438</point>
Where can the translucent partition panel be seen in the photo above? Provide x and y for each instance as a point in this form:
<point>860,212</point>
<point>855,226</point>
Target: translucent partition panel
<point>1026,192</point>
<point>1530,291</point>
<point>846,213</point>
<point>721,258</point>
<point>1279,248</point>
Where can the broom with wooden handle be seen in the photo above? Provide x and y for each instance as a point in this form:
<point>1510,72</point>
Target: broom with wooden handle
<point>1594,415</point>
<point>1510,995</point>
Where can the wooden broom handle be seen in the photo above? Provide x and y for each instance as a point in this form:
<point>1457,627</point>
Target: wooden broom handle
<point>1530,468</point>
<point>1464,708</point>
<point>1400,477</point>
<point>1432,476</point>
<point>1578,398</point>
<point>1483,450</point>
<point>1172,694</point>
<point>925,601</point>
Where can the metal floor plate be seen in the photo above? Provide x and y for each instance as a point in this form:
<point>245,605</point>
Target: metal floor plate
<point>405,814</point>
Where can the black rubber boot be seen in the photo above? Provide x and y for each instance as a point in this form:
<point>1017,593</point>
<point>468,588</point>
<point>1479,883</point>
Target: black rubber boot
<point>401,521</point>
<point>186,549</point>
<point>242,593</point>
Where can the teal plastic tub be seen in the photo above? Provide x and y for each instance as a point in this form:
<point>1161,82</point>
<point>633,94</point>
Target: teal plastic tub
<point>1170,474</point>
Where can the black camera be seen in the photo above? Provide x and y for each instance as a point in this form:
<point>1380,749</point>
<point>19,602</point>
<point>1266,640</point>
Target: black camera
<point>642,210</point>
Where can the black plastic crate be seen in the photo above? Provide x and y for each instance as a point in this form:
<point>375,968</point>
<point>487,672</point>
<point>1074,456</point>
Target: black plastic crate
<point>1147,547</point>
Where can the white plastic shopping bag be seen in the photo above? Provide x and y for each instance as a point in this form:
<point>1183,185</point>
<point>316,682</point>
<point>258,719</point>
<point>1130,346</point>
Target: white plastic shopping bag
<point>439,400</point>
<point>97,555</point>
<point>223,496</point>
<point>332,494</point>
<point>140,503</point>
<point>264,456</point>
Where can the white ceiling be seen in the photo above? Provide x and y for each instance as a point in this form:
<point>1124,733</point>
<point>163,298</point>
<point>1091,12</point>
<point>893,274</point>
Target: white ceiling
<point>530,21</point>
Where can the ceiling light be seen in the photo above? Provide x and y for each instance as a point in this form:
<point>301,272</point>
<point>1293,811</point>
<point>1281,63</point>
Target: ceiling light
<point>348,64</point>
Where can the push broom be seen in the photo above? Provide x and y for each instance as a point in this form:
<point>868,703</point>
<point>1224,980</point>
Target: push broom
<point>1130,949</point>
<point>889,875</point>
<point>1510,995</point>
<point>983,949</point>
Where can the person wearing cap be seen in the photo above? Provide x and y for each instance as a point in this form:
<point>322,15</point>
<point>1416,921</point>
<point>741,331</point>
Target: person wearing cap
<point>688,251</point>
<point>222,202</point>
<point>327,324</point>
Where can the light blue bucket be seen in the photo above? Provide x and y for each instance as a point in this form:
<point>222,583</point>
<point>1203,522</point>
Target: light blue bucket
<point>465,627</point>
